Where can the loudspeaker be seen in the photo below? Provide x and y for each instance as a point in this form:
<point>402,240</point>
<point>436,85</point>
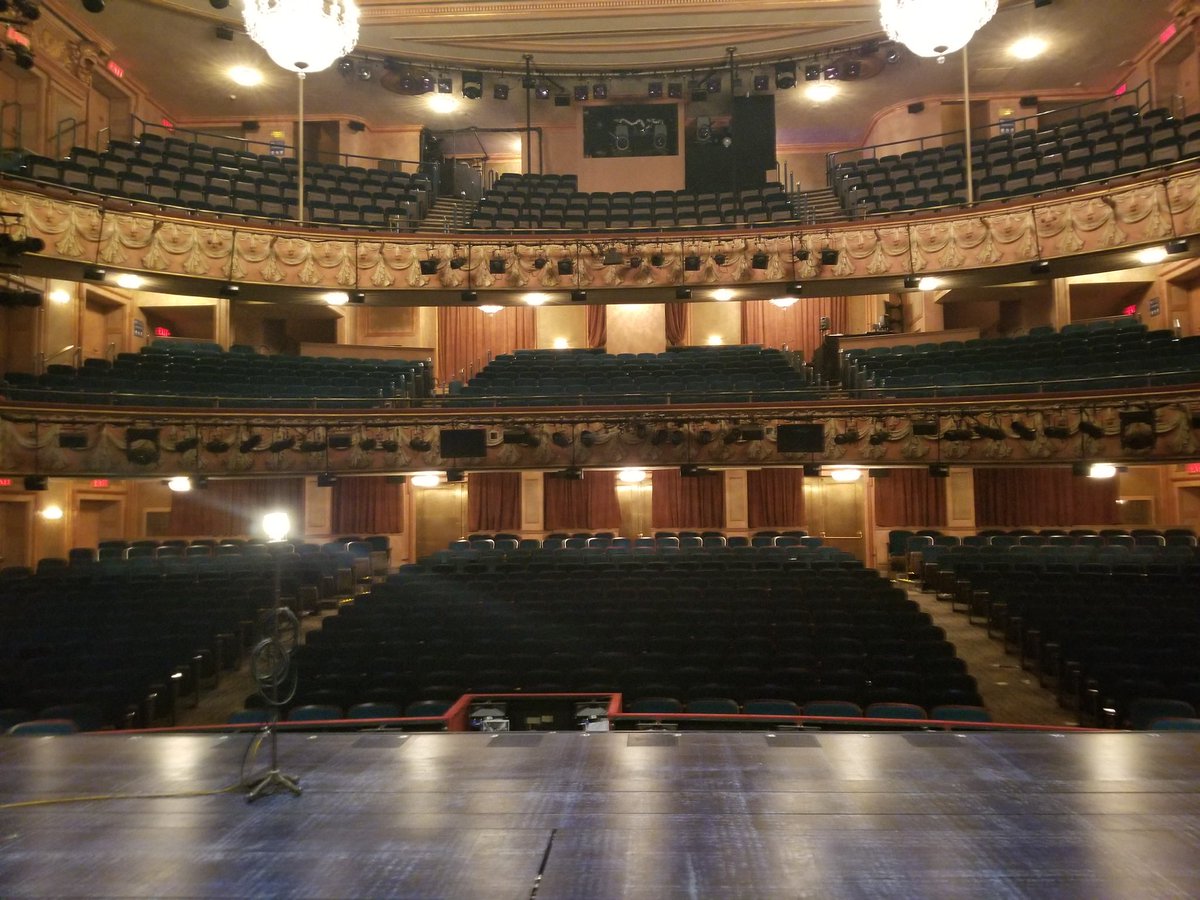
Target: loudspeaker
<point>356,126</point>
<point>72,440</point>
<point>250,125</point>
<point>463,442</point>
<point>326,479</point>
<point>812,470</point>
<point>917,107</point>
<point>939,470</point>
<point>703,128</point>
<point>800,438</point>
<point>754,128</point>
<point>1028,101</point>
<point>340,442</point>
<point>37,482</point>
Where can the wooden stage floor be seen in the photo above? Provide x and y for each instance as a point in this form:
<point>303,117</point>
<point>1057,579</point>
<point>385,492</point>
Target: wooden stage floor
<point>617,814</point>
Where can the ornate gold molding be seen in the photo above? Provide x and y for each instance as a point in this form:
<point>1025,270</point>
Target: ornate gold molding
<point>1062,226</point>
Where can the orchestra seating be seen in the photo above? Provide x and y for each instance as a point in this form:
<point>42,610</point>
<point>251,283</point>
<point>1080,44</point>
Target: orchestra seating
<point>554,202</point>
<point>112,636</point>
<point>678,616</point>
<point>1093,147</point>
<point>170,171</point>
<point>177,373</point>
<point>1105,631</point>
<point>684,375</point>
<point>1104,354</point>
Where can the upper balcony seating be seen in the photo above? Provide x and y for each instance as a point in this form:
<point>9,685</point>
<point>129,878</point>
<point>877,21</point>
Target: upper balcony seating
<point>189,373</point>
<point>685,375</point>
<point>173,172</point>
<point>1100,146</point>
<point>554,202</point>
<point>1104,355</point>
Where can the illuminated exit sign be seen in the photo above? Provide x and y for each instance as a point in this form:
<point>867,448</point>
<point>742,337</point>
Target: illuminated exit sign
<point>115,69</point>
<point>17,37</point>
<point>99,482</point>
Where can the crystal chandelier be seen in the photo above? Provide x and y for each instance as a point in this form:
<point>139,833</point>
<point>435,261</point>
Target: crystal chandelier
<point>934,27</point>
<point>303,35</point>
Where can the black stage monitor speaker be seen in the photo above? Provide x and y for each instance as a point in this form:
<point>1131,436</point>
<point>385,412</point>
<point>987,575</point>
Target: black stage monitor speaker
<point>800,438</point>
<point>463,442</point>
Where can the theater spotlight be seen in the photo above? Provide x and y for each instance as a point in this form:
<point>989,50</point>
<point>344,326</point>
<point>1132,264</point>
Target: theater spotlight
<point>1021,430</point>
<point>957,434</point>
<point>1057,432</point>
<point>428,266</point>
<point>1137,429</point>
<point>566,267</point>
<point>497,265</point>
<point>445,84</point>
<point>849,436</point>
<point>313,445</point>
<point>925,427</point>
<point>785,75</point>
<point>500,91</point>
<point>561,439</point>
<point>282,445</point>
<point>762,83</point>
<point>1091,429</point>
<point>812,72</point>
<point>991,432</point>
<point>675,90</point>
<point>420,445</point>
<point>455,476</point>
<point>683,293</point>
<point>94,6</point>
<point>581,92</point>
<point>654,90</point>
<point>341,441</point>
<point>542,92</point>
<point>877,438</point>
<point>472,85</point>
<point>187,445</point>
<point>587,438</point>
<point>759,260</point>
<point>600,91</point>
<point>217,445</point>
<point>612,257</point>
<point>539,262</point>
<point>691,263</point>
<point>389,446</point>
<point>579,296</point>
<point>829,257</point>
<point>250,443</point>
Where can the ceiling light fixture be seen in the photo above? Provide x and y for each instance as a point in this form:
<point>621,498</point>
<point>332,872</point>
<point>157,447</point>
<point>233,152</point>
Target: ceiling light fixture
<point>245,76</point>
<point>336,298</point>
<point>129,281</point>
<point>490,309</point>
<point>784,302</point>
<point>631,476</point>
<point>935,27</point>
<point>535,298</point>
<point>1028,48</point>
<point>820,91</point>
<point>426,480</point>
<point>846,475</point>
<point>722,294</point>
<point>1151,255</point>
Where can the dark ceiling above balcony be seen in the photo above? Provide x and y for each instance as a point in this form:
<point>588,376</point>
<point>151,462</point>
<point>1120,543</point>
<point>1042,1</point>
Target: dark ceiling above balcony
<point>172,49</point>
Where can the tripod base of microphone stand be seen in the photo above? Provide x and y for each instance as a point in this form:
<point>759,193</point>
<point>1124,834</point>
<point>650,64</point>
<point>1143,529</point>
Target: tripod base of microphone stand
<point>273,782</point>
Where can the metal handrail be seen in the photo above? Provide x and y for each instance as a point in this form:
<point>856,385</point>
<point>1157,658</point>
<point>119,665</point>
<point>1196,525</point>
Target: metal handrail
<point>18,124</point>
<point>69,125</point>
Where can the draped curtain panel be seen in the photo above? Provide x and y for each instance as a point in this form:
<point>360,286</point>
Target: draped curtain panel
<point>467,336</point>
<point>678,502</point>
<point>232,508</point>
<point>1043,496</point>
<point>775,497</point>
<point>679,317</point>
<point>910,497</point>
<point>494,501</point>
<point>798,326</point>
<point>590,504</point>
<point>367,505</point>
<point>597,325</point>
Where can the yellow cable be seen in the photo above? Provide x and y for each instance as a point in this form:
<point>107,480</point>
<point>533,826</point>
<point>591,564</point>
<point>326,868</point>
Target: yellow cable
<point>250,755</point>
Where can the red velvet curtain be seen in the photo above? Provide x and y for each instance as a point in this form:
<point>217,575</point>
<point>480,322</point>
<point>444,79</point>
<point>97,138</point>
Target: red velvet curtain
<point>466,336</point>
<point>910,497</point>
<point>367,505</point>
<point>236,507</point>
<point>597,325</point>
<point>679,316</point>
<point>1042,496</point>
<point>798,326</point>
<point>678,502</point>
<point>589,504</point>
<point>775,497</point>
<point>494,501</point>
